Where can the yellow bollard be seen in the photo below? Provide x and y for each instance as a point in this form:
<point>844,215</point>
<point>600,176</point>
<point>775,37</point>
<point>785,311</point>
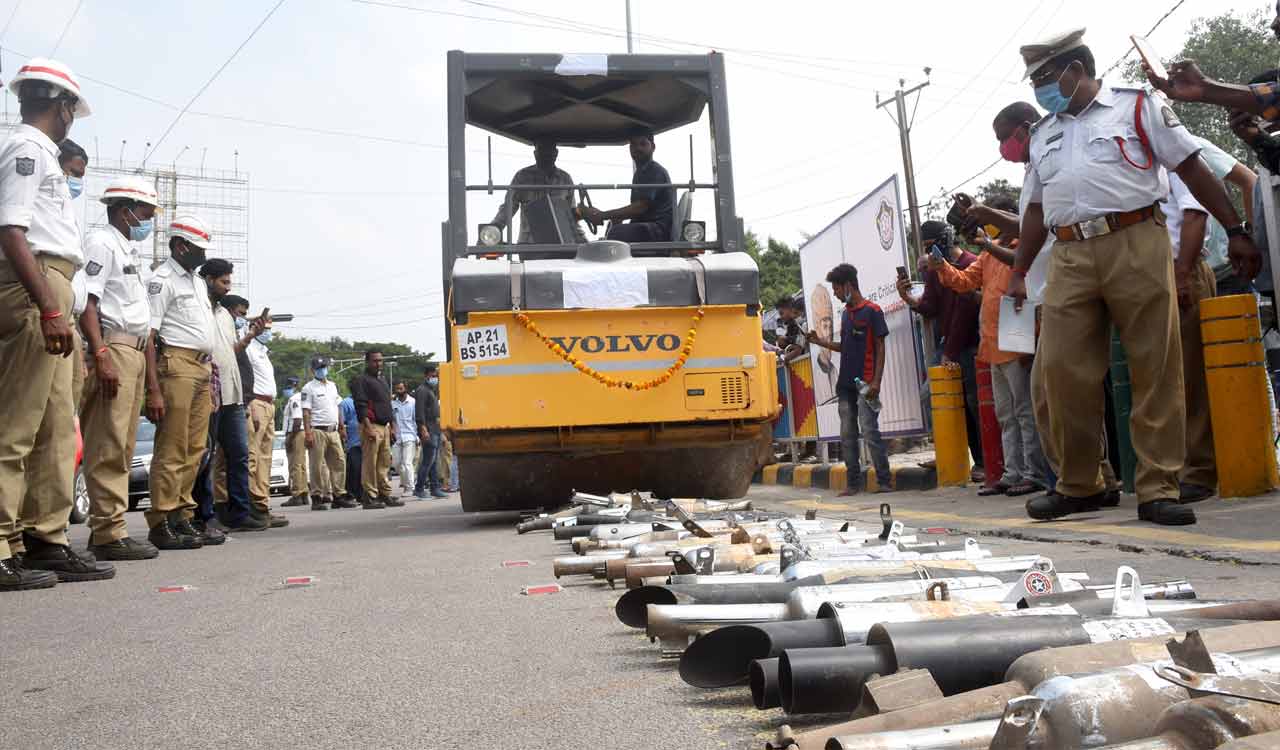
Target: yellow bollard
<point>950,440</point>
<point>1239,405</point>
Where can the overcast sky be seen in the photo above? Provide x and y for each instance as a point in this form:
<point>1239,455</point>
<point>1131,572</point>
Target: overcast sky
<point>345,227</point>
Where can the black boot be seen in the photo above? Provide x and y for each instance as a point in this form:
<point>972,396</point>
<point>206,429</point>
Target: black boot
<point>16,577</point>
<point>208,534</point>
<point>1051,505</point>
<point>392,502</point>
<point>164,537</point>
<point>63,561</point>
<point>124,549</point>
<point>319,503</point>
<point>372,503</point>
<point>1166,513</point>
<point>345,501</point>
<point>297,501</point>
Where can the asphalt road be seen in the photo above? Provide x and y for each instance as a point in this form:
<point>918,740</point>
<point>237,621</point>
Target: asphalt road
<point>411,635</point>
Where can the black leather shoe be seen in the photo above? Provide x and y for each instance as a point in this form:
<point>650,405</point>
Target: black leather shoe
<point>1166,513</point>
<point>1111,498</point>
<point>392,502</point>
<point>345,501</point>
<point>63,561</point>
<point>164,537</point>
<point>124,549</point>
<point>1193,493</point>
<point>297,501</point>
<point>248,523</point>
<point>16,577</point>
<point>1051,505</point>
<point>208,534</point>
<point>372,504</point>
<point>319,503</point>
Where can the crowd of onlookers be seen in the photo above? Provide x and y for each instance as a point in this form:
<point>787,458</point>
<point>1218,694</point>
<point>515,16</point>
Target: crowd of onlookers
<point>1125,222</point>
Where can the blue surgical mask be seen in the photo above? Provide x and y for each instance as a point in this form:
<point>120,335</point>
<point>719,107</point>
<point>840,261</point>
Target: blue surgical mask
<point>433,381</point>
<point>143,230</point>
<point>76,186</point>
<point>241,323</point>
<point>1050,95</point>
<point>322,373</point>
<point>288,392</point>
<point>264,338</point>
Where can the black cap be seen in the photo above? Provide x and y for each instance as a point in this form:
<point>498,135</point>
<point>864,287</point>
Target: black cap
<point>319,361</point>
<point>291,380</point>
<point>933,230</point>
<point>431,367</point>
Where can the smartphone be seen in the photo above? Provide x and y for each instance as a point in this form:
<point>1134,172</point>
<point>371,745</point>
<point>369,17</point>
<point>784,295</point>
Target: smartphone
<point>936,252</point>
<point>902,272</point>
<point>1149,56</point>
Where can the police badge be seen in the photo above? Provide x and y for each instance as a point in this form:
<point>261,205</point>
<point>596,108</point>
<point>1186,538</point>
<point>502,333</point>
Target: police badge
<point>154,287</point>
<point>93,268</point>
<point>25,165</point>
<point>884,224</point>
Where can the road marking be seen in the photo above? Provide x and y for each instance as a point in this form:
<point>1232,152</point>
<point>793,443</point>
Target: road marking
<point>174,589</point>
<point>515,563</point>
<point>299,580</point>
<point>546,588</point>
<point>1165,536</point>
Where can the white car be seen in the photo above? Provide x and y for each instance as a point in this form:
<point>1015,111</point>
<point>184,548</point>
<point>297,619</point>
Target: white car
<point>279,466</point>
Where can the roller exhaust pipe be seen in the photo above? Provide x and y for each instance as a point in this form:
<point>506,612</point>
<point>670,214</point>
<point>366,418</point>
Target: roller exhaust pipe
<point>1027,672</point>
<point>579,565</point>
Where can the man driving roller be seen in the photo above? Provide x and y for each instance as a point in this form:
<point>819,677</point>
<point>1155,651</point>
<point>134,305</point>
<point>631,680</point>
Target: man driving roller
<point>543,171</point>
<point>652,209</point>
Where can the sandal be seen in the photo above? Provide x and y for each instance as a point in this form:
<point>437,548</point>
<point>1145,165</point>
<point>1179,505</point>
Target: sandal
<point>1023,488</point>
<point>999,488</point>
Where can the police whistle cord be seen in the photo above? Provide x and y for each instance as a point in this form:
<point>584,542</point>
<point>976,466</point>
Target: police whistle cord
<point>686,349</point>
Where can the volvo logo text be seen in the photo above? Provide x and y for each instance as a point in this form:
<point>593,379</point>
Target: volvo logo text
<point>665,342</point>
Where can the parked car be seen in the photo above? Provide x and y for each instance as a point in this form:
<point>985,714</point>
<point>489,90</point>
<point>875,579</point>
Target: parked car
<point>80,500</point>
<point>140,466</point>
<point>279,466</point>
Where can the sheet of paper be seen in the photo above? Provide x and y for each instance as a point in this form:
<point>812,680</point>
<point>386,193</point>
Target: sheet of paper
<point>583,65</point>
<point>607,287</point>
<point>1017,329</point>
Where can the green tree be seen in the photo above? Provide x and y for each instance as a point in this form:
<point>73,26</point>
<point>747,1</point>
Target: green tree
<point>1231,47</point>
<point>292,356</point>
<point>779,268</point>
<point>997,188</point>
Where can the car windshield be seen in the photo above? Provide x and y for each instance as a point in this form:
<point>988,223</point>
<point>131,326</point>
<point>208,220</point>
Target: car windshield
<point>279,443</point>
<point>146,431</point>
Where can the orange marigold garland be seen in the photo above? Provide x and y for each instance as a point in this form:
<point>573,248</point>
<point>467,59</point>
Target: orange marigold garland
<point>686,349</point>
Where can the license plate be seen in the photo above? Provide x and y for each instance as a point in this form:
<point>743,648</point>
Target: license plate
<point>483,344</point>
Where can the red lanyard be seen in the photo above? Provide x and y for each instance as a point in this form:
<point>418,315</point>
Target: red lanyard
<point>1142,136</point>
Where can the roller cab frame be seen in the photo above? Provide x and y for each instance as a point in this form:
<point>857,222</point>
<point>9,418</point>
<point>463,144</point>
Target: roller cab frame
<point>534,330</point>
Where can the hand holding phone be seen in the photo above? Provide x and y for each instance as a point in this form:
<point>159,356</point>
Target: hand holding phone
<point>902,272</point>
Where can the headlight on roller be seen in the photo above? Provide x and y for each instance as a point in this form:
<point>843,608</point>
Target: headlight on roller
<point>490,235</point>
<point>694,231</point>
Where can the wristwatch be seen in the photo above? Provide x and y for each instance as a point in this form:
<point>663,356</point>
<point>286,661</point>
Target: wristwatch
<point>1240,230</point>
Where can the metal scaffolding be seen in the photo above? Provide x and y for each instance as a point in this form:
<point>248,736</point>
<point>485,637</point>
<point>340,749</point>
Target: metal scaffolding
<point>220,197</point>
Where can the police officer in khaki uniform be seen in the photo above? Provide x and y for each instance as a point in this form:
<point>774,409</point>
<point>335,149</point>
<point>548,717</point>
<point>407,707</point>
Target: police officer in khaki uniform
<point>116,324</point>
<point>40,241</point>
<point>178,398</point>
<point>295,445</point>
<point>1097,171</point>
<point>325,436</point>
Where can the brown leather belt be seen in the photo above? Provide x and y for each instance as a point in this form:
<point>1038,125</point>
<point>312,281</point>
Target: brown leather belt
<point>325,428</point>
<point>201,357</point>
<point>1087,230</point>
<point>120,337</point>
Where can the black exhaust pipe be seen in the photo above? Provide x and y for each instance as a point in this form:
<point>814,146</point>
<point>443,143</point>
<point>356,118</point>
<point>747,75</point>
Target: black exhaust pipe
<point>962,654</point>
<point>764,684</point>
<point>723,657</point>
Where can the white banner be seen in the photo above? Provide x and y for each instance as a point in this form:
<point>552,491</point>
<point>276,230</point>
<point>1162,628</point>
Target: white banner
<point>870,238</point>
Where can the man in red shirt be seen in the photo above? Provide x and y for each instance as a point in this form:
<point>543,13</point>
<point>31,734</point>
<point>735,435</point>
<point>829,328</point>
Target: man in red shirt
<point>862,334</point>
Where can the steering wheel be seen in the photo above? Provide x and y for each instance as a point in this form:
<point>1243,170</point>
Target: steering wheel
<point>584,198</point>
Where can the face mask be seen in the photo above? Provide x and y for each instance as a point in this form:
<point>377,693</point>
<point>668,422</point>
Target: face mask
<point>322,373</point>
<point>780,331</point>
<point>433,381</point>
<point>264,338</point>
<point>1051,98</point>
<point>192,259</point>
<point>241,323</point>
<point>1015,148</point>
<point>76,186</point>
<point>288,392</point>
<point>142,230</point>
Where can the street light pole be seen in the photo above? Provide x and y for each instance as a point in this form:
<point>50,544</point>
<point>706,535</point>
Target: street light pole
<point>908,166</point>
<point>628,2</point>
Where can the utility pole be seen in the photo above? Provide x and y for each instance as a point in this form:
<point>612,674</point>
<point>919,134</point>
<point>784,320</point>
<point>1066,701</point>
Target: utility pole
<point>628,2</point>
<point>904,134</point>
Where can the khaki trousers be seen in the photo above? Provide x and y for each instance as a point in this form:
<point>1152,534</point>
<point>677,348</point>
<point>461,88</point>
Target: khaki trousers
<point>37,431</point>
<point>375,469</point>
<point>182,435</point>
<point>444,462</point>
<point>328,464</point>
<point>262,438</point>
<point>295,447</point>
<point>1200,466</point>
<point>1125,278</point>
<point>1040,403</point>
<point>110,428</point>
<point>79,364</point>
